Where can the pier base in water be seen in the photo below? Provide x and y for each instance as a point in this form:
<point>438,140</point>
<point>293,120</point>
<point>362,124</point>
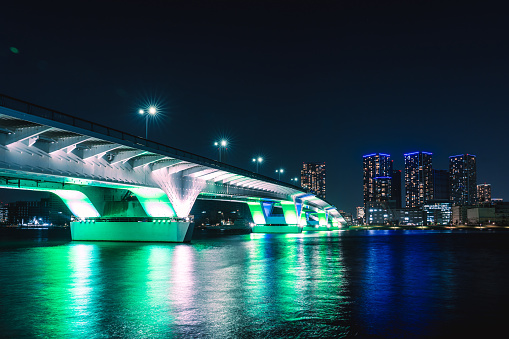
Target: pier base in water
<point>174,231</point>
<point>277,229</point>
<point>320,228</point>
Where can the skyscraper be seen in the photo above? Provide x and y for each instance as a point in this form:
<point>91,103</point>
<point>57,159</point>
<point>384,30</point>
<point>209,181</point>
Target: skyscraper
<point>463,179</point>
<point>377,177</point>
<point>418,178</point>
<point>484,193</point>
<point>396,188</point>
<point>312,177</point>
<point>441,185</point>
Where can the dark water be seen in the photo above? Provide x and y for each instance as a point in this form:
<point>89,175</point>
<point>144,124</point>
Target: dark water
<point>386,284</point>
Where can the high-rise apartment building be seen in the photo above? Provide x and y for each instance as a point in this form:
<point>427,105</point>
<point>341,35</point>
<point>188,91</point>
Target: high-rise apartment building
<point>418,178</point>
<point>396,188</point>
<point>463,179</point>
<point>377,178</point>
<point>441,185</point>
<point>484,193</point>
<point>312,177</point>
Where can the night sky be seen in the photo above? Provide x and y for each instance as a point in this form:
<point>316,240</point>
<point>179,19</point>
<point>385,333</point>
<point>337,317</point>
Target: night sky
<point>292,81</point>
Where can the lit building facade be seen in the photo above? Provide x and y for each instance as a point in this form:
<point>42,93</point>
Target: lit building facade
<point>418,178</point>
<point>312,177</point>
<point>360,214</point>
<point>377,186</point>
<point>438,213</point>
<point>484,194</point>
<point>463,179</point>
<point>377,175</point>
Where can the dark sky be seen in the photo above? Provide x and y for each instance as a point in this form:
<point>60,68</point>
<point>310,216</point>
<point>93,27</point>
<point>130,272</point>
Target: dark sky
<point>293,81</point>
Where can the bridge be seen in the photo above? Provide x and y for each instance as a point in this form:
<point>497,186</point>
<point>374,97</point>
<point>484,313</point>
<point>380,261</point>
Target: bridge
<point>92,168</point>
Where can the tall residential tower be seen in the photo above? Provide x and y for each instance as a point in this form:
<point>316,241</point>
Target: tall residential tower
<point>377,177</point>
<point>418,178</point>
<point>484,193</point>
<point>312,177</point>
<point>463,179</point>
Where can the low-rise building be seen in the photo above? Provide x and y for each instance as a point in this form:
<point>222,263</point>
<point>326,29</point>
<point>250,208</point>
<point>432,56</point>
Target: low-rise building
<point>481,216</point>
<point>438,213</point>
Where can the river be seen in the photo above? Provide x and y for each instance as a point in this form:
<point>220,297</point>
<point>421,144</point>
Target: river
<point>365,284</point>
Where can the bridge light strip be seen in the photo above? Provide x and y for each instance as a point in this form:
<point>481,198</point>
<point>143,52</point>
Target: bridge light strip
<point>78,203</point>
<point>154,201</point>
<point>257,212</point>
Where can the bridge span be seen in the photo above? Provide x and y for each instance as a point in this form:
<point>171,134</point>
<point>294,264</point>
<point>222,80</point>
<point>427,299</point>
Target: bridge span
<point>92,168</point>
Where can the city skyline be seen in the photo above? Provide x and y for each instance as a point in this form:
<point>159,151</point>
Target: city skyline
<point>347,77</point>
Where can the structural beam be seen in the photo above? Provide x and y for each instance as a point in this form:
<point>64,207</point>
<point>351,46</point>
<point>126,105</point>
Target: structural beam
<point>23,134</point>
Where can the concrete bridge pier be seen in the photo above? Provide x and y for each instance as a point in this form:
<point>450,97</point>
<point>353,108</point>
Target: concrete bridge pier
<point>104,216</point>
<point>266,221</point>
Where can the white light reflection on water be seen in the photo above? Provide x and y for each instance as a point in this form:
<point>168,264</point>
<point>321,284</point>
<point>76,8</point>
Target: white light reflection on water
<point>328,284</point>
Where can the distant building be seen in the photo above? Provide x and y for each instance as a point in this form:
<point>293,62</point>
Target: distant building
<point>501,212</point>
<point>463,179</point>
<point>4,213</point>
<point>438,213</point>
<point>441,185</point>
<point>459,215</point>
<point>360,214</point>
<point>25,212</point>
<point>484,193</point>
<point>377,186</point>
<point>418,178</point>
<point>377,175</point>
<point>312,176</point>
<point>408,216</point>
<point>396,188</point>
<point>481,216</point>
<point>378,214</point>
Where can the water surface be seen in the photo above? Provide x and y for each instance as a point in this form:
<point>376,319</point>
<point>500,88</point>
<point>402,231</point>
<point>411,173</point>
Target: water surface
<point>383,284</point>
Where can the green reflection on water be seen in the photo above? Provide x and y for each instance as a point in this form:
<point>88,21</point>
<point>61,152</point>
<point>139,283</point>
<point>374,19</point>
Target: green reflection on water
<point>236,286</point>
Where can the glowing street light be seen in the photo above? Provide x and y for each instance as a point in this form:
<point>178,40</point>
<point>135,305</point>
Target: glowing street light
<point>221,144</point>
<point>296,180</point>
<point>257,161</point>
<point>150,111</point>
<point>279,171</point>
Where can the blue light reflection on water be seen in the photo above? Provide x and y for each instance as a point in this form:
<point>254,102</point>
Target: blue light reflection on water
<point>329,284</point>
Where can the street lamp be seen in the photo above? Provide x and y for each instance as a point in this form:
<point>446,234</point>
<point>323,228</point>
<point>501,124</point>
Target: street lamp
<point>296,180</point>
<point>150,111</point>
<point>279,171</point>
<point>257,161</point>
<point>220,144</point>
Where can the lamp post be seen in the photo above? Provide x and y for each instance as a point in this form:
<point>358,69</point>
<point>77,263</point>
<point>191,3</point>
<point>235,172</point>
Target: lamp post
<point>296,180</point>
<point>279,171</point>
<point>257,161</point>
<point>150,111</point>
<point>220,144</point>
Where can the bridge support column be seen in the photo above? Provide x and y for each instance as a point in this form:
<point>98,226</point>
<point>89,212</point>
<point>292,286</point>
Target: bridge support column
<point>256,210</point>
<point>78,203</point>
<point>261,214</point>
<point>155,202</point>
<point>321,224</point>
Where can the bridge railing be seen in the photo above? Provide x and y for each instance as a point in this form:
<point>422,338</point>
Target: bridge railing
<point>49,114</point>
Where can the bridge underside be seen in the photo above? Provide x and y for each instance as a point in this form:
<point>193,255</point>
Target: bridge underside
<point>103,174</point>
<point>129,213</point>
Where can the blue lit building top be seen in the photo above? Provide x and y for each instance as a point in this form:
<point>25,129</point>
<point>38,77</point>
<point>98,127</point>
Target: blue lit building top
<point>461,155</point>
<point>412,153</point>
<point>373,154</point>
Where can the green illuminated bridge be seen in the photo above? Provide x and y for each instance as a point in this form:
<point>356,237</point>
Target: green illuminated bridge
<point>91,167</point>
